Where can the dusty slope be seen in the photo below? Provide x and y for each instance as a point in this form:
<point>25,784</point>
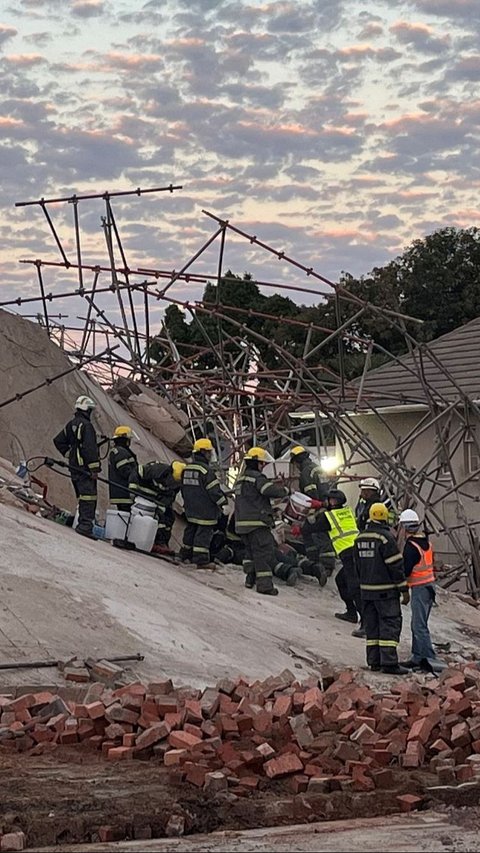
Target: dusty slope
<point>62,594</point>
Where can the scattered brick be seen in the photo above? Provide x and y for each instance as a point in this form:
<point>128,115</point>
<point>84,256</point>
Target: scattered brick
<point>13,841</point>
<point>283,766</point>
<point>409,802</point>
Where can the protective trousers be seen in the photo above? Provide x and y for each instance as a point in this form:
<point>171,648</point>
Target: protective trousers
<point>382,620</point>
<point>165,516</point>
<point>86,491</point>
<point>260,558</point>
<point>318,548</point>
<point>196,543</point>
<point>348,585</point>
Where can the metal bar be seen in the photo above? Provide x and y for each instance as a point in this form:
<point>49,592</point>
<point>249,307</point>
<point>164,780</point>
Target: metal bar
<point>138,192</point>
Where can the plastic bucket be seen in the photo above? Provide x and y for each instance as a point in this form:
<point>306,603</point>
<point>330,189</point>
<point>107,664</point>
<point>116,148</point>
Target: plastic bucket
<point>142,531</point>
<point>298,507</point>
<point>142,506</point>
<point>116,524</point>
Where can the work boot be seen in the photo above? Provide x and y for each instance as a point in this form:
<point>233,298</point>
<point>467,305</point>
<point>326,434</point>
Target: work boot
<point>87,533</point>
<point>272,591</point>
<point>293,575</point>
<point>410,664</point>
<point>322,577</point>
<point>359,632</point>
<point>185,555</point>
<point>395,670</point>
<point>376,668</point>
<point>249,581</point>
<point>347,617</point>
<point>161,549</point>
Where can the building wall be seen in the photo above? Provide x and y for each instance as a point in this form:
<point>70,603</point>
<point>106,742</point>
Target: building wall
<point>390,434</point>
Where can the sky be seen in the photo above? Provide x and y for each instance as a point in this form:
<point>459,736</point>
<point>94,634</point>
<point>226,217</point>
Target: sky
<point>337,131</point>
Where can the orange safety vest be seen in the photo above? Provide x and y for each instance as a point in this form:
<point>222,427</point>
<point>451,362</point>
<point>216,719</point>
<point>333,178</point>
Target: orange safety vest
<point>423,572</point>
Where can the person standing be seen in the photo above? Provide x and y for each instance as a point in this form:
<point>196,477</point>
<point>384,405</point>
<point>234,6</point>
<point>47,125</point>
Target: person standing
<point>318,547</point>
<point>79,440</point>
<point>254,520</point>
<point>340,524</point>
<point>382,581</point>
<point>160,483</point>
<point>369,494</point>
<point>203,502</point>
<point>419,562</point>
<point>122,466</point>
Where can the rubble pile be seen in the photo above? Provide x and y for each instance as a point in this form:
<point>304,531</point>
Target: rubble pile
<point>326,734</point>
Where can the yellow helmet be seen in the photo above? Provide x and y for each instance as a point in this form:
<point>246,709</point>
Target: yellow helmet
<point>259,453</point>
<point>123,432</point>
<point>178,469</point>
<point>202,444</point>
<point>378,512</point>
<point>297,450</point>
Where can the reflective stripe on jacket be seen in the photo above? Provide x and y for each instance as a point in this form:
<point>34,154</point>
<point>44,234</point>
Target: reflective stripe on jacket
<point>423,572</point>
<point>343,528</point>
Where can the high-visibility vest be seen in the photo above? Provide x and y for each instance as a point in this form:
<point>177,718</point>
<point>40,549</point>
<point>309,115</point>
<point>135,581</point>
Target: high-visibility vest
<point>343,528</point>
<point>423,572</point>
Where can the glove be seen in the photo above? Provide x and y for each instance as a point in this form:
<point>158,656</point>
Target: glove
<point>296,530</point>
<point>405,596</point>
<point>317,504</point>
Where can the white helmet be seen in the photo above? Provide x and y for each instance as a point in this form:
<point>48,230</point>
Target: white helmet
<point>84,403</point>
<point>409,519</point>
<point>369,483</point>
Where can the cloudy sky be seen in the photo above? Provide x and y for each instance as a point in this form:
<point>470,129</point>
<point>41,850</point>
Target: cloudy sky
<point>336,131</point>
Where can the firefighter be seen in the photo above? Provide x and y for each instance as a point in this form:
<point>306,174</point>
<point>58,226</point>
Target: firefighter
<point>340,524</point>
<point>203,503</point>
<point>79,440</point>
<point>254,520</point>
<point>318,547</point>
<point>122,466</point>
<point>419,565</point>
<point>159,482</point>
<point>382,581</point>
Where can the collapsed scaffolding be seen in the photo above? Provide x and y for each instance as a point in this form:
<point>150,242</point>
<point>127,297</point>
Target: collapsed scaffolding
<point>242,400</point>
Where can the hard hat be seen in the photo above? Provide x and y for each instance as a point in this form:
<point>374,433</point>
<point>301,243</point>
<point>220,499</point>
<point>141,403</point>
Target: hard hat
<point>178,469</point>
<point>84,403</point>
<point>259,453</point>
<point>202,444</point>
<point>297,450</point>
<point>370,483</point>
<point>378,512</point>
<point>123,432</point>
<point>338,496</point>
<point>409,518</point>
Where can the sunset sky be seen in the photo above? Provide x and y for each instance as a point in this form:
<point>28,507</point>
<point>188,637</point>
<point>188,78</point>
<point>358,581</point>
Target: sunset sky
<point>336,131</point>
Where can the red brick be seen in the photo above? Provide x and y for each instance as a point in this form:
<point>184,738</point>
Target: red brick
<point>282,707</point>
<point>166,705</point>
<point>227,705</point>
<point>464,772</point>
<point>362,735</point>
<point>283,765</point>
<point>95,710</point>
<point>119,714</point>
<point>129,739</point>
<point>262,722</point>
<point>120,753</point>
<point>114,731</point>
<point>210,729</point>
<point>298,783</point>
<point>446,775</point>
<point>79,675</point>
<point>382,756</point>
<point>86,729</point>
<point>196,773</point>
<point>175,719</point>
<point>460,735</point>
<point>13,841</point>
<point>160,687</point>
<point>265,750</point>
<point>301,730</point>
<point>182,740</point>
<point>193,711</point>
<point>215,781</point>
<point>23,702</point>
<point>68,737</point>
<point>111,833</point>
<point>209,702</point>
<point>440,745</point>
<point>152,735</point>
<point>408,802</point>
<point>383,778</point>
<point>174,756</point>
<point>244,723</point>
<point>414,755</point>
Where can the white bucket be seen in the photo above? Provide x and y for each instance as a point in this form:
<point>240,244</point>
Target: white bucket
<point>298,507</point>
<point>142,531</point>
<point>142,506</point>
<point>116,524</point>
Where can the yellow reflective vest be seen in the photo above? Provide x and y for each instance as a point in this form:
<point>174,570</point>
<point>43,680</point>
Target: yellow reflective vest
<point>343,528</point>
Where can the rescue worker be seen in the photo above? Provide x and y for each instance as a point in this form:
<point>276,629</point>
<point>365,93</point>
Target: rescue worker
<point>318,547</point>
<point>122,465</point>
<point>159,482</point>
<point>382,581</point>
<point>79,440</point>
<point>254,520</point>
<point>203,502</point>
<point>340,524</point>
<point>371,492</point>
<point>419,565</point>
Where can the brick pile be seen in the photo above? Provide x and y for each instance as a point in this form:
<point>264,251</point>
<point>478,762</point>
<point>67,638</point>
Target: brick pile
<point>326,734</point>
